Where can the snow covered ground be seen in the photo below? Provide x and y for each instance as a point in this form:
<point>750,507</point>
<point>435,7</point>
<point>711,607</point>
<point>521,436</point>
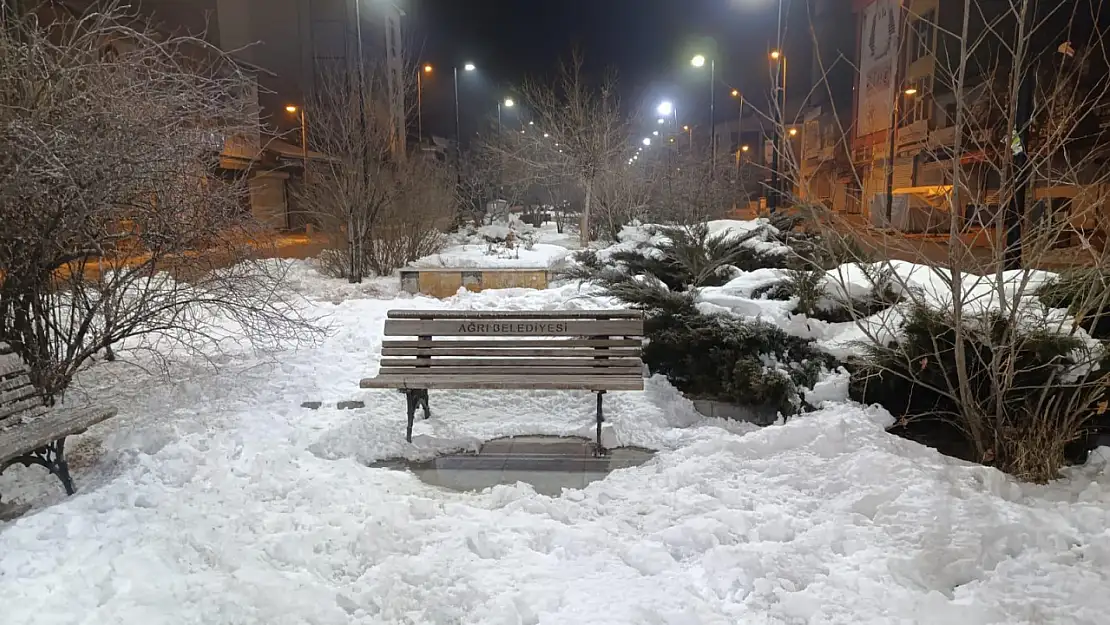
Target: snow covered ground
<point>531,248</point>
<point>214,498</point>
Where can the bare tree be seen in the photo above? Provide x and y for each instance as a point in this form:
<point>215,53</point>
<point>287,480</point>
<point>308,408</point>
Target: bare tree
<point>1012,115</point>
<point>687,186</point>
<point>579,135</point>
<point>119,226</point>
<point>379,208</point>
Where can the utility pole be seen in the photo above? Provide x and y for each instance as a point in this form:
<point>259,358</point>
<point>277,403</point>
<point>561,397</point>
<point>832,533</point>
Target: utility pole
<point>1019,141</point>
<point>780,115</point>
<point>354,239</point>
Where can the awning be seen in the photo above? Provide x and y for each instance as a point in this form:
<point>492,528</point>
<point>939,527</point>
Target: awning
<point>930,192</point>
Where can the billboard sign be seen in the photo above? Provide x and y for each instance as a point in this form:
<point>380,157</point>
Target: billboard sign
<point>877,54</point>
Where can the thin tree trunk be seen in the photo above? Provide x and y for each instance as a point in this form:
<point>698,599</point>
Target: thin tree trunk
<point>584,234</point>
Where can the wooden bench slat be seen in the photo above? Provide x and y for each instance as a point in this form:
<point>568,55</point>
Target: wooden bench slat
<point>7,384</point>
<point>511,343</point>
<point>511,371</point>
<point>12,363</point>
<point>14,408</point>
<point>57,423</point>
<point>522,353</point>
<point>515,314</point>
<point>633,363</point>
<point>495,327</point>
<point>11,396</point>
<point>522,382</point>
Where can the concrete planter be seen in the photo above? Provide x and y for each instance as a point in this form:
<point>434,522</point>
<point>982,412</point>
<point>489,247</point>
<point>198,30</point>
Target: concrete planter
<point>444,282</point>
<point>759,415</point>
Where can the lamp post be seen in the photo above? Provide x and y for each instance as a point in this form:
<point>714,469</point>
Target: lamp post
<point>780,104</point>
<point>427,69</point>
<point>895,121</point>
<point>467,67</point>
<point>739,115</point>
<point>690,131</point>
<point>299,111</point>
<point>699,61</point>
<point>508,104</point>
<point>354,238</point>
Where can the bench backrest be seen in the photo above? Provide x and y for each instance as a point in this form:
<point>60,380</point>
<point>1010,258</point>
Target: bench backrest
<point>19,399</point>
<point>508,343</point>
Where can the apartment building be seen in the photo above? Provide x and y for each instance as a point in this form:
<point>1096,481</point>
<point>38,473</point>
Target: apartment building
<point>297,45</point>
<point>910,54</point>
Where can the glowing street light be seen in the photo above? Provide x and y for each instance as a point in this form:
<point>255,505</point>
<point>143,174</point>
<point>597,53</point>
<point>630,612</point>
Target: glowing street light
<point>743,148</point>
<point>467,67</point>
<point>661,120</point>
<point>665,108</point>
<point>508,104</point>
<point>699,61</point>
<point>293,109</point>
<point>646,141</point>
<point>655,133</point>
<point>427,68</point>
<point>911,91</point>
<point>793,132</point>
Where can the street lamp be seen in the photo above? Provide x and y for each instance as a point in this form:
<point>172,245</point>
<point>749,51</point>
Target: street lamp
<point>739,113</point>
<point>293,109</point>
<point>427,69</point>
<point>665,108</point>
<point>660,120</point>
<point>647,141</point>
<point>793,132</point>
<point>508,104</point>
<point>467,67</point>
<point>895,116</point>
<point>780,103</point>
<point>699,61</point>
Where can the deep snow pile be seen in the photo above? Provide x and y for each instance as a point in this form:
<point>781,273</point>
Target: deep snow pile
<point>215,498</point>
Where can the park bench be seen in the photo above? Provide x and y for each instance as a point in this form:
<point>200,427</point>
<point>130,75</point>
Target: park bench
<point>596,351</point>
<point>32,433</point>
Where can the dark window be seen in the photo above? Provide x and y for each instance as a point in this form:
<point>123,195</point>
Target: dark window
<point>919,42</point>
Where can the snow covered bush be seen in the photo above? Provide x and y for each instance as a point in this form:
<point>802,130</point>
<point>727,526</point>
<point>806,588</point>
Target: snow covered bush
<point>810,287</point>
<point>1035,404</point>
<point>1085,293</point>
<point>725,359</point>
<point>707,356</point>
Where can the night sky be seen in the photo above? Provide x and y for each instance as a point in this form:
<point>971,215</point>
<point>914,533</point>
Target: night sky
<point>648,42</point>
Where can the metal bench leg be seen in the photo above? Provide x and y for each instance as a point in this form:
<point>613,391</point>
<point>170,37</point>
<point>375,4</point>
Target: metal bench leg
<point>600,451</point>
<point>411,399</point>
<point>415,398</point>
<point>52,458</point>
<point>423,396</point>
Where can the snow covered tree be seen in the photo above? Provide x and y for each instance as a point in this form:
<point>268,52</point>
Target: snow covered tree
<point>118,223</point>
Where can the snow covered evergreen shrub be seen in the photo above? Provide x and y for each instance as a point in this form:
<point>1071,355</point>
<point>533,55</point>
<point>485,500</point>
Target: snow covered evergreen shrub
<point>714,357</point>
<point>1028,417</point>
<point>815,302</point>
<point>726,359</point>
<point>1085,293</point>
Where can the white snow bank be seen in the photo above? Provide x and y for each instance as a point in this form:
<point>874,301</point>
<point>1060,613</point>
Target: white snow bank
<point>824,520</point>
<point>214,498</point>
